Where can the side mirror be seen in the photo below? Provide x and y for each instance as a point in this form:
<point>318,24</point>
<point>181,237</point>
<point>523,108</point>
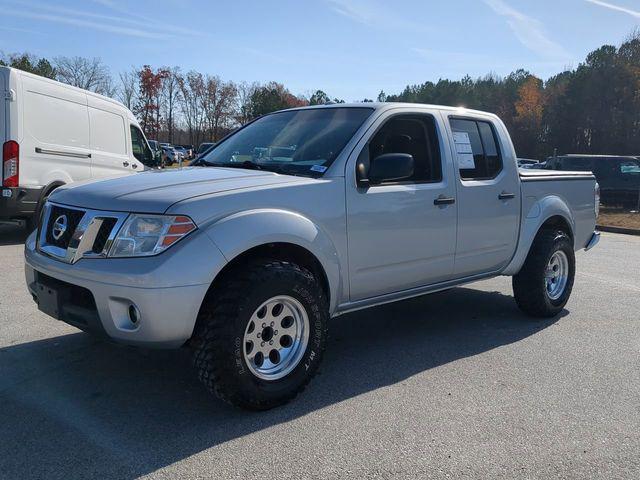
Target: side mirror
<point>389,167</point>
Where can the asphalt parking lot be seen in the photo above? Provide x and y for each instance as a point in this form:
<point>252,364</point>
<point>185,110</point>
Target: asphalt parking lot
<point>457,384</point>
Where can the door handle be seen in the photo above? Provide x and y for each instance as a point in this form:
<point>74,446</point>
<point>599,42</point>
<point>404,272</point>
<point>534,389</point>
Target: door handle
<point>126,164</point>
<point>442,200</point>
<point>506,196</point>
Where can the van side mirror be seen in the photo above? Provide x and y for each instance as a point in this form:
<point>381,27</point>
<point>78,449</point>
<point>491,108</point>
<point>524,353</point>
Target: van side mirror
<point>387,167</point>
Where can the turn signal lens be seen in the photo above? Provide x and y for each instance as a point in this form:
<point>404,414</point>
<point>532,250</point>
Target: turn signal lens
<point>147,235</point>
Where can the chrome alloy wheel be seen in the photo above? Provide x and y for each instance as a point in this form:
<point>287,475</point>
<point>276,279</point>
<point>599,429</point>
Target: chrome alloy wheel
<point>276,337</point>
<point>556,275</point>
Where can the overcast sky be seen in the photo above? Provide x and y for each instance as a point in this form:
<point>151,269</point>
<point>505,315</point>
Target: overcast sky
<point>350,48</point>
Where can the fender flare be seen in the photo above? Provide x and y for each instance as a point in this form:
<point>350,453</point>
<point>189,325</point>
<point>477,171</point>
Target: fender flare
<point>539,213</point>
<point>242,231</point>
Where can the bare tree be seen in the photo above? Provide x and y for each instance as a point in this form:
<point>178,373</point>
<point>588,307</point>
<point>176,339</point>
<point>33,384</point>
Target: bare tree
<point>85,73</point>
<point>171,96</point>
<point>244,97</point>
<point>128,87</point>
<point>192,89</point>
<point>218,105</point>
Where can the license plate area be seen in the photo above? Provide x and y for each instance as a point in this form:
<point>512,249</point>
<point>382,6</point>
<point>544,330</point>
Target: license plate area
<point>48,300</point>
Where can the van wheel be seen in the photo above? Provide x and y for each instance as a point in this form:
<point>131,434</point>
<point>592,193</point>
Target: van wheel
<point>543,285</point>
<point>261,335</point>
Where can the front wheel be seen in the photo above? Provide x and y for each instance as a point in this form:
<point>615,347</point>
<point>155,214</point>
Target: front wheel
<point>262,334</point>
<point>543,285</point>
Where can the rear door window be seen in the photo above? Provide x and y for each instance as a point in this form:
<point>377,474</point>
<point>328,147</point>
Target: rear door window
<point>477,150</point>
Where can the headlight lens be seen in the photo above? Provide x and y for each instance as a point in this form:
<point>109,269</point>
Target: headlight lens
<point>146,235</point>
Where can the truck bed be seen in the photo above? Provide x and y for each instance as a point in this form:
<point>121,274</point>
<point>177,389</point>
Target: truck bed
<point>544,186</point>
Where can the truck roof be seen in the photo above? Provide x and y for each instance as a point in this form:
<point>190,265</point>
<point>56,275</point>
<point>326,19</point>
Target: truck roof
<point>390,105</point>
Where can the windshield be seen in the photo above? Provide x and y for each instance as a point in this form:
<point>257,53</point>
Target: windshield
<point>298,142</point>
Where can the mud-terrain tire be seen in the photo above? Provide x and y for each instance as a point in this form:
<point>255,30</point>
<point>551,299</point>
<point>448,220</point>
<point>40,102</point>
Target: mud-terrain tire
<point>226,346</point>
<point>543,285</point>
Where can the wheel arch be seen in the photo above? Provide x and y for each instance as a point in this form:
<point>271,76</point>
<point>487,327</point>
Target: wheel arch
<point>282,235</point>
<point>44,193</point>
<point>550,212</point>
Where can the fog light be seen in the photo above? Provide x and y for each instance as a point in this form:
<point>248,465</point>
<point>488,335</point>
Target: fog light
<point>134,314</point>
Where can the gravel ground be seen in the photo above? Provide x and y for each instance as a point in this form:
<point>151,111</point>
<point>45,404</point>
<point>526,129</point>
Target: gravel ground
<point>454,385</point>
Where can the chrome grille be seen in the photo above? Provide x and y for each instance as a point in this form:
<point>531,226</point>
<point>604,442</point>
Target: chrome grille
<point>69,233</point>
<point>72,219</point>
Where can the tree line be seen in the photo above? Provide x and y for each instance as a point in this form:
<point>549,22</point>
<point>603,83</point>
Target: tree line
<point>592,108</point>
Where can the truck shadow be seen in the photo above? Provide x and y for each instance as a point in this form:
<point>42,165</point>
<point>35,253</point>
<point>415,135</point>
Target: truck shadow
<point>125,412</point>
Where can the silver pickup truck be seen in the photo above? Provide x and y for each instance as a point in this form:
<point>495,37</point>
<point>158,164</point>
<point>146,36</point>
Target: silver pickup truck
<point>300,216</point>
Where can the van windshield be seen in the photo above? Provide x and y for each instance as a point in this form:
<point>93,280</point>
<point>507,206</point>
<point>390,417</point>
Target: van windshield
<point>297,142</point>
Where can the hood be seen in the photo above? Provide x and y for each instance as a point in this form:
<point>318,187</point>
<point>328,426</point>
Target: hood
<point>154,191</point>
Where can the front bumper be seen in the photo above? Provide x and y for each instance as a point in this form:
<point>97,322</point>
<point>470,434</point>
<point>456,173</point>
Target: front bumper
<point>18,202</point>
<point>96,295</point>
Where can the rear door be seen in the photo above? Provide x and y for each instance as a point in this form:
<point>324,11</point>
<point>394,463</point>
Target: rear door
<point>488,195</point>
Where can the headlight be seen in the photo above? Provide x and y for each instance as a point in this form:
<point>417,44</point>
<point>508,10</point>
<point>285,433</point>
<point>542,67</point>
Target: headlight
<point>146,235</point>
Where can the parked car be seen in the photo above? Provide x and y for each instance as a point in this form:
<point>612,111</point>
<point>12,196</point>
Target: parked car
<point>171,155</point>
<point>204,147</point>
<point>182,151</point>
<point>362,205</point>
<point>618,176</point>
<point>190,152</point>
<point>54,134</point>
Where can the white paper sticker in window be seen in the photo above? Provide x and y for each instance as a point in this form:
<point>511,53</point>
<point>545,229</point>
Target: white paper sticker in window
<point>465,160</point>
<point>461,137</point>
<point>463,148</point>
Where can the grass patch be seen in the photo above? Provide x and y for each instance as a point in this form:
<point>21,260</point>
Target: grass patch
<point>611,217</point>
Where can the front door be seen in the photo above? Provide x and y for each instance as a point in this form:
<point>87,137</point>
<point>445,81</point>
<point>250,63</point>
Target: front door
<point>398,238</point>
<point>488,197</point>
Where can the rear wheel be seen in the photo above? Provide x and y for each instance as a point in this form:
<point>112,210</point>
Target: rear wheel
<point>261,335</point>
<point>543,285</point>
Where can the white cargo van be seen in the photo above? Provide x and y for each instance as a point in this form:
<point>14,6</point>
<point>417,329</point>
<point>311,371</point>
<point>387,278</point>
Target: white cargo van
<point>53,134</point>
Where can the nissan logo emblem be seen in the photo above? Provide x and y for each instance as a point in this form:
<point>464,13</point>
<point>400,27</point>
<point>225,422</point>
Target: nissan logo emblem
<point>59,227</point>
